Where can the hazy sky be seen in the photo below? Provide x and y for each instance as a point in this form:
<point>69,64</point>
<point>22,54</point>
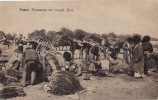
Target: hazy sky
<point>100,16</point>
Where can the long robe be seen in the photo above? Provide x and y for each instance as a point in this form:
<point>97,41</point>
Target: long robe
<point>138,59</point>
<point>147,47</point>
<point>126,56</point>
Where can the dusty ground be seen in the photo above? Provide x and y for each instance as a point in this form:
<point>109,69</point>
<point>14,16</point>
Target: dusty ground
<point>101,88</point>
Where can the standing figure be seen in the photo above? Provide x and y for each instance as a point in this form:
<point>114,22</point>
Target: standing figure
<point>113,48</point>
<point>147,49</point>
<point>73,47</point>
<point>131,47</point>
<point>20,43</point>
<point>131,63</point>
<point>5,42</point>
<point>138,57</point>
<point>30,61</point>
<point>81,51</point>
<point>88,46</point>
<point>126,53</point>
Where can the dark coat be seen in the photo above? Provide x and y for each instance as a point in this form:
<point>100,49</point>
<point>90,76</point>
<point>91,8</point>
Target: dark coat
<point>138,59</point>
<point>19,42</point>
<point>147,47</point>
<point>29,55</point>
<point>73,46</point>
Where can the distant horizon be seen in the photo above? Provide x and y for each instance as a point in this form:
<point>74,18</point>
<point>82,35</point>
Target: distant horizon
<point>26,35</point>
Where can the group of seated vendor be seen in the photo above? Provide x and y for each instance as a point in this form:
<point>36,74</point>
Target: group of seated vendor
<point>92,61</point>
<point>70,65</point>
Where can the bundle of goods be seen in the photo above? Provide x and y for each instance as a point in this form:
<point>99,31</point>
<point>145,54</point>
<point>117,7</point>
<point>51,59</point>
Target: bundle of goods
<point>64,83</point>
<point>128,78</point>
<point>10,92</point>
<point>51,63</point>
<point>2,77</point>
<point>11,82</point>
<point>155,57</point>
<point>8,81</point>
<point>119,68</point>
<point>13,73</point>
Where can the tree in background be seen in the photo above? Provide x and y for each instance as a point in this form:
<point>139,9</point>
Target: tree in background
<point>95,37</point>
<point>66,32</point>
<point>2,34</point>
<point>104,35</point>
<point>79,34</point>
<point>123,38</point>
<point>51,35</point>
<point>38,34</point>
<point>14,35</point>
<point>64,41</point>
<point>112,34</point>
<point>9,36</point>
<point>20,35</point>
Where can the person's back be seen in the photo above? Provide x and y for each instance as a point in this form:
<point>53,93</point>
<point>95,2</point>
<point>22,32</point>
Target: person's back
<point>147,50</point>
<point>30,55</point>
<point>94,59</point>
<point>19,42</point>
<point>147,46</point>
<point>30,61</point>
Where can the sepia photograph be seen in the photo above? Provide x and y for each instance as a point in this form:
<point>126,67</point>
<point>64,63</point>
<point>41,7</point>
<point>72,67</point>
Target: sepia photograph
<point>79,50</point>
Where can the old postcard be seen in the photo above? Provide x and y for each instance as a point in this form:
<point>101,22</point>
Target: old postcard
<point>79,50</point>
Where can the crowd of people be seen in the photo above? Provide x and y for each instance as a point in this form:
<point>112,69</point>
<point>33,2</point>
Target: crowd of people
<point>137,54</point>
<point>92,61</point>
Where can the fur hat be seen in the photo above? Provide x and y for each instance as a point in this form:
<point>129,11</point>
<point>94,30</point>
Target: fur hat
<point>67,56</point>
<point>136,39</point>
<point>146,39</point>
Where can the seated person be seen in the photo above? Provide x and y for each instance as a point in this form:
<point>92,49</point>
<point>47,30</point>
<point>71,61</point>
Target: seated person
<point>93,60</point>
<point>20,43</point>
<point>70,65</point>
<point>16,57</point>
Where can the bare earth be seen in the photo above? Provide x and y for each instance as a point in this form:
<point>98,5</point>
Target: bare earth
<point>102,88</point>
